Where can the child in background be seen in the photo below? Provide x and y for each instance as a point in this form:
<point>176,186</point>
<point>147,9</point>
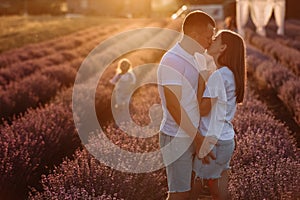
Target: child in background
<point>217,105</point>
<point>124,81</point>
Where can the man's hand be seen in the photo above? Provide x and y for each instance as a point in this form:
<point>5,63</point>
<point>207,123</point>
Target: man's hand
<point>198,140</point>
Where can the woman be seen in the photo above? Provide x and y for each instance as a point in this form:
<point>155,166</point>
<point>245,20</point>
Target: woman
<point>217,105</point>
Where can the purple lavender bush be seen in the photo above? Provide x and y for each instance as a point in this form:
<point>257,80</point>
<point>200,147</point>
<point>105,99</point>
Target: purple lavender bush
<point>32,144</point>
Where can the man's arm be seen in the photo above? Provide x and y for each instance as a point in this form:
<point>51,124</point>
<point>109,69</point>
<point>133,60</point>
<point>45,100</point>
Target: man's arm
<point>173,95</point>
<point>205,104</point>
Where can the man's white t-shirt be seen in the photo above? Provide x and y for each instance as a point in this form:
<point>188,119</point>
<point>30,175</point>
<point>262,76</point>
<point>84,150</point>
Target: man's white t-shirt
<point>178,67</point>
<point>220,85</point>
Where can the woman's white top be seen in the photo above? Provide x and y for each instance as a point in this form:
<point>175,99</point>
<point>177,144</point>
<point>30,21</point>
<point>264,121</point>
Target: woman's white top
<point>220,85</point>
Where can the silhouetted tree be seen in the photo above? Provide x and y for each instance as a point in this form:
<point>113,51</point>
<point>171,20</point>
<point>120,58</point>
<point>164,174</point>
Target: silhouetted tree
<point>44,6</point>
<point>185,2</point>
<point>33,7</point>
<point>8,7</point>
<point>292,9</point>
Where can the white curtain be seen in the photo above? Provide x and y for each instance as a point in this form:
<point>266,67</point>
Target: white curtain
<point>261,12</point>
<point>279,12</point>
<point>242,15</point>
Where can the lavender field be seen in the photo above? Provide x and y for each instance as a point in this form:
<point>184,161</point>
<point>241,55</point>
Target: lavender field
<point>43,157</point>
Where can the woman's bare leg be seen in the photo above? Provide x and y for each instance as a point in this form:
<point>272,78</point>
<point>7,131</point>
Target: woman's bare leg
<point>219,187</point>
<point>223,185</point>
<point>179,196</point>
<point>196,188</point>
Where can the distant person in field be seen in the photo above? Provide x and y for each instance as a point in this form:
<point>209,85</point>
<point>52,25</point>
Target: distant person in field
<point>124,81</point>
<point>217,103</point>
<point>177,76</point>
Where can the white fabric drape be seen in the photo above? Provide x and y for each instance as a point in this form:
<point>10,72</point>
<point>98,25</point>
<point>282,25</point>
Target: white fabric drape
<point>279,12</point>
<point>242,15</point>
<point>260,12</point>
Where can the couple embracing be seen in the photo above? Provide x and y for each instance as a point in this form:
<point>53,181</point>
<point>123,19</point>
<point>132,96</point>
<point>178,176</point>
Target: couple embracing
<point>196,133</point>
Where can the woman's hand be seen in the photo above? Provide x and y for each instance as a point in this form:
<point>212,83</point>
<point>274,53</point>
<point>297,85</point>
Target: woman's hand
<point>206,159</point>
<point>206,147</point>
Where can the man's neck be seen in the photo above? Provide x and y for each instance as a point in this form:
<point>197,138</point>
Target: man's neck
<point>191,46</point>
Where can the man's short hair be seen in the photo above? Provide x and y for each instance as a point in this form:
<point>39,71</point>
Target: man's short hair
<point>197,19</point>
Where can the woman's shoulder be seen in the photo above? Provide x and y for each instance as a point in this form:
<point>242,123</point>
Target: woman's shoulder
<point>225,71</point>
<point>228,76</point>
<point>222,74</point>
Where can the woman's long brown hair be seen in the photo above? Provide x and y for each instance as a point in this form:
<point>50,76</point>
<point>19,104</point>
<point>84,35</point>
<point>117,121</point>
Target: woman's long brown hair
<point>234,58</point>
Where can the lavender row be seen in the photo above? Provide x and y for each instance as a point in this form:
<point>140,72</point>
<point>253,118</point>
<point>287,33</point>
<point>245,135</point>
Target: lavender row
<point>19,71</point>
<point>97,179</point>
<point>291,27</point>
<point>35,51</point>
<point>34,90</point>
<point>291,37</point>
<point>54,52</point>
<point>39,87</point>
<point>284,40</point>
<point>275,77</point>
<point>287,56</point>
<point>265,163</point>
<point>33,115</point>
<point>31,145</point>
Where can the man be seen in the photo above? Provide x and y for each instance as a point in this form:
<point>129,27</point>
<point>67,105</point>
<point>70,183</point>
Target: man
<point>178,75</point>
